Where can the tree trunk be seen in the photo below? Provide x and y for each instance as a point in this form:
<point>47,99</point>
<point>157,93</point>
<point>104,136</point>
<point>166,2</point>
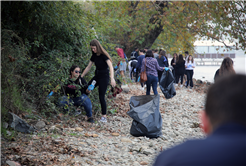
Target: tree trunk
<point>152,35</point>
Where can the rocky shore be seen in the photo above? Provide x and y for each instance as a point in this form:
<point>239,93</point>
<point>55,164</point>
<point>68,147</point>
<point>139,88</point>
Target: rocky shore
<point>73,141</point>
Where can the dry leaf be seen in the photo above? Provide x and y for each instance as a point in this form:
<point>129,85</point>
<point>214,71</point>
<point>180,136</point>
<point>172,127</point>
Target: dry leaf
<point>115,134</point>
<point>143,163</point>
<point>88,135</point>
<point>78,129</point>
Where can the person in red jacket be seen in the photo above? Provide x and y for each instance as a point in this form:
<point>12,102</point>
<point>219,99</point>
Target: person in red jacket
<point>122,63</point>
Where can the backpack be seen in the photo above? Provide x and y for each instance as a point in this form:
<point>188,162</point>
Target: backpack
<point>133,54</point>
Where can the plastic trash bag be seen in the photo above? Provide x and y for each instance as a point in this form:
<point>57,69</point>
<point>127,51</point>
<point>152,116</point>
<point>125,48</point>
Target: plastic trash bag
<point>167,84</point>
<point>147,121</point>
<point>19,125</point>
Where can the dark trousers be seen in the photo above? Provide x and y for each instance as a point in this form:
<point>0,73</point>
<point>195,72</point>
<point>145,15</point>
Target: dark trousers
<point>159,75</point>
<point>102,80</point>
<point>138,75</point>
<point>189,78</point>
<point>177,76</point>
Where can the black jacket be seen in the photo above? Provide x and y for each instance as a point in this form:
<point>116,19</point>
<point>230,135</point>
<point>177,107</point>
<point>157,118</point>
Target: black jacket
<point>180,68</point>
<point>76,88</point>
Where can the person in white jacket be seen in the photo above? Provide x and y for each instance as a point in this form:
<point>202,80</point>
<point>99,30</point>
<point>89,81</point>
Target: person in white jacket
<point>189,66</point>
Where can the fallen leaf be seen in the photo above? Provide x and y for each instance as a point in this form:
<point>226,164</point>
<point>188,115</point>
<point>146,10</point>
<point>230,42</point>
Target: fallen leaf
<point>115,134</point>
<point>88,135</point>
<point>143,163</point>
<point>94,135</point>
<point>78,129</point>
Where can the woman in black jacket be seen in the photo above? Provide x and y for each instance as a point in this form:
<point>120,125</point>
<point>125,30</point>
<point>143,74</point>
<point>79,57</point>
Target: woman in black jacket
<point>76,93</point>
<point>173,63</point>
<point>180,69</point>
<point>163,62</point>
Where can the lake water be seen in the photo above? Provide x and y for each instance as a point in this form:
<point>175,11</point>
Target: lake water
<point>206,73</point>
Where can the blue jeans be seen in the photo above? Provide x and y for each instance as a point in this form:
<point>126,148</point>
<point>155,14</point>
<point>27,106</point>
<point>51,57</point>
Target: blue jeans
<point>83,100</point>
<point>151,80</point>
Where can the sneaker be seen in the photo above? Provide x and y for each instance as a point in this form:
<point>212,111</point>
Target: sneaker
<point>181,86</point>
<point>103,119</point>
<point>142,88</point>
<point>90,120</point>
<point>176,84</point>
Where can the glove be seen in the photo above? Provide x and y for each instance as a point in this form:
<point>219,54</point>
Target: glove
<point>116,67</point>
<point>166,68</point>
<point>135,70</point>
<point>121,63</point>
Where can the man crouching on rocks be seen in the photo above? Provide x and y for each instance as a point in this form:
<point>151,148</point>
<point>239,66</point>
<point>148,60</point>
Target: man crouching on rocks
<point>224,121</point>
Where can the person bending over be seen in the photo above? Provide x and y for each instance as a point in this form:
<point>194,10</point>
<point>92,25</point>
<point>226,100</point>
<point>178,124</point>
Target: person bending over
<point>102,61</point>
<point>224,121</point>
<point>76,93</point>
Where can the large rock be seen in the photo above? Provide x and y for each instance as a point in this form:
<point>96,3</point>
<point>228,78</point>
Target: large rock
<point>40,124</point>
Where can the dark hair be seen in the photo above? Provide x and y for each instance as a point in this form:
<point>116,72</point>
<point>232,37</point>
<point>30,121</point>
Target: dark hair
<point>141,50</point>
<point>160,50</point>
<point>73,68</point>
<point>186,52</point>
<point>192,59</point>
<point>225,100</point>
<point>180,59</point>
<point>100,49</point>
<point>226,67</point>
<point>156,50</point>
<point>163,53</point>
<point>149,53</point>
<point>136,48</point>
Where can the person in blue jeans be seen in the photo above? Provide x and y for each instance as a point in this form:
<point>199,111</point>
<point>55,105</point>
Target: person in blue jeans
<point>151,65</point>
<point>76,93</point>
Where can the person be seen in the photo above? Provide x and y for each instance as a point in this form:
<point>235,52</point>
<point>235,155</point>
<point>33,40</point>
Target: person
<point>132,64</point>
<point>225,68</point>
<point>139,65</point>
<point>77,94</point>
<point>162,62</point>
<point>173,63</point>
<point>190,65</point>
<point>224,122</point>
<point>156,53</point>
<point>180,70</point>
<point>135,53</point>
<point>102,61</point>
<point>151,65</point>
<point>145,50</point>
<point>185,74</point>
<point>122,62</point>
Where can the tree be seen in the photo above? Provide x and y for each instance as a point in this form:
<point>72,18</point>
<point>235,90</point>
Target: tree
<point>142,23</point>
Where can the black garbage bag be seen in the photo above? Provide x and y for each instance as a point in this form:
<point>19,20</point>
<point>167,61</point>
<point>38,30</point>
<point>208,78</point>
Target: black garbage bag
<point>19,125</point>
<point>167,84</point>
<point>147,121</point>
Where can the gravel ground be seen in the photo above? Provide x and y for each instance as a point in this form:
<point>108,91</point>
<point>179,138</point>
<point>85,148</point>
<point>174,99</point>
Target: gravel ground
<point>81,143</point>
